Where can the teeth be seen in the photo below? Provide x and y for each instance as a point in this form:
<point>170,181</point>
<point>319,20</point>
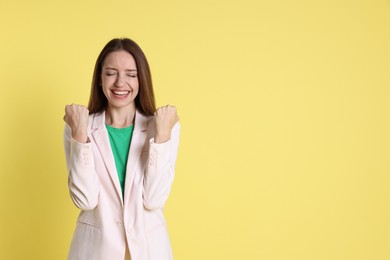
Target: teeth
<point>121,92</point>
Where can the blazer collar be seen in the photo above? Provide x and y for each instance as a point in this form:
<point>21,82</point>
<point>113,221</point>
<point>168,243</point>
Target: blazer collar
<point>99,133</point>
<point>99,121</point>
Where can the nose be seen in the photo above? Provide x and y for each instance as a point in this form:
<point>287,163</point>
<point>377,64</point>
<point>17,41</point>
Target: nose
<point>120,81</point>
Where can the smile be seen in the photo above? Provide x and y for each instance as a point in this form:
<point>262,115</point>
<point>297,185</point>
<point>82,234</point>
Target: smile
<point>120,92</point>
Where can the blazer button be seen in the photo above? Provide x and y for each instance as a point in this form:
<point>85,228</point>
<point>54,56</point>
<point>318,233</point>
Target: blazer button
<point>130,230</point>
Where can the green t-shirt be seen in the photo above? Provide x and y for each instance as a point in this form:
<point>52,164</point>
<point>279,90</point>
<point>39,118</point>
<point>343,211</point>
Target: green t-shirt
<point>120,139</point>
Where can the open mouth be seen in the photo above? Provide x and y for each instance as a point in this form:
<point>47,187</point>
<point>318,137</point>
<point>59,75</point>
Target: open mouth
<point>121,93</point>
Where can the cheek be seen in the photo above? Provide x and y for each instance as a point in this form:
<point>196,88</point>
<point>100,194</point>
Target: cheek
<point>105,92</point>
<point>104,87</point>
<point>135,85</point>
<point>103,83</point>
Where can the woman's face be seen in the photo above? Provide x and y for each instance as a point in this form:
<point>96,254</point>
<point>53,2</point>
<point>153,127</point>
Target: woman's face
<point>119,79</point>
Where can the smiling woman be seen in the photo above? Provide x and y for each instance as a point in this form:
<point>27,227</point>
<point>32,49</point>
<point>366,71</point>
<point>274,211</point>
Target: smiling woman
<point>121,154</point>
<point>123,48</point>
<point>119,79</point>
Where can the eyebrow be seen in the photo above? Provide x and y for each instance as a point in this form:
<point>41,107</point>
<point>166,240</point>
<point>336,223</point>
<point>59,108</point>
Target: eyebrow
<point>110,68</point>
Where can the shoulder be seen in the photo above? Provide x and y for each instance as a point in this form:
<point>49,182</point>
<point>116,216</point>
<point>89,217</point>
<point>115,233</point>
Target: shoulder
<point>96,120</point>
<point>150,122</point>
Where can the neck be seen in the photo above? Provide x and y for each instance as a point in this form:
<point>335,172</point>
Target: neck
<point>120,117</point>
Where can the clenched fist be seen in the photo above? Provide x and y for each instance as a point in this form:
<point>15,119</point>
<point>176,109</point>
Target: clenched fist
<point>76,116</point>
<point>165,117</point>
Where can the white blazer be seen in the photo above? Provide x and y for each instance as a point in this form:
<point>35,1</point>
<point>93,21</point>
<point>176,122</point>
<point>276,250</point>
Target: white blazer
<point>108,223</point>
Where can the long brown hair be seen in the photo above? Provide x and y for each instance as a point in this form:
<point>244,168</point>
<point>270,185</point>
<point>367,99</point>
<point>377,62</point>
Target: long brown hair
<point>144,101</point>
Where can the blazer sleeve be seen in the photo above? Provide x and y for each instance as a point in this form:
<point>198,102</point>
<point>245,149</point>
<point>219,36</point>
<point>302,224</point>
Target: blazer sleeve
<point>160,170</point>
<point>83,182</point>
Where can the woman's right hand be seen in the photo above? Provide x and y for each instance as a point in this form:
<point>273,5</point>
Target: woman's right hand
<point>76,116</point>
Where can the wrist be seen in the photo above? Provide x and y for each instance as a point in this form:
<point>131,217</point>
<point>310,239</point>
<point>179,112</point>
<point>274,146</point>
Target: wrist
<point>162,138</point>
<point>80,137</point>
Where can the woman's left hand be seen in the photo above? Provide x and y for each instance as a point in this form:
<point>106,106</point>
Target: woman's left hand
<point>165,117</point>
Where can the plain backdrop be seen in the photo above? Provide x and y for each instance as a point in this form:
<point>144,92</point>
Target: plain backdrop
<point>284,107</point>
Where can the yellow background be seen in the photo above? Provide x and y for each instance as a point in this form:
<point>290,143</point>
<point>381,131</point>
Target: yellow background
<point>285,122</point>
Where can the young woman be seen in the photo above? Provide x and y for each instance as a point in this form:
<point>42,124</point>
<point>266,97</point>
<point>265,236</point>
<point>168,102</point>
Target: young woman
<point>121,154</point>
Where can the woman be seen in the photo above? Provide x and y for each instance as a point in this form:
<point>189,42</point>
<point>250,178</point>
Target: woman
<point>120,155</point>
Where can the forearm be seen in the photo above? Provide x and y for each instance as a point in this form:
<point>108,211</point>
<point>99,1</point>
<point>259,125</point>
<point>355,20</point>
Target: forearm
<point>160,170</point>
<point>82,179</point>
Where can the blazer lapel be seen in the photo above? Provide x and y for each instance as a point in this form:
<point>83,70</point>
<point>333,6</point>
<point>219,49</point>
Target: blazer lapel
<point>100,135</point>
<point>137,143</point>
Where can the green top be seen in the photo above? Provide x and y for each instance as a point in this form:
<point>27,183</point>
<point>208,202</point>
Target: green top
<point>120,139</point>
